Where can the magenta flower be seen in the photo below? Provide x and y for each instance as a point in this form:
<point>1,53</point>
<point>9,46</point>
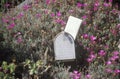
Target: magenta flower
<point>7,5</point>
<point>46,11</point>
<point>13,18</point>
<point>79,5</point>
<point>58,20</point>
<point>5,20</point>
<point>96,6</point>
<point>109,70</point>
<point>85,4</point>
<point>114,32</point>
<point>106,4</point>
<point>117,71</point>
<point>58,14</point>
<point>62,22</point>
<point>85,36</point>
<point>84,17</point>
<point>108,62</point>
<point>47,2</point>
<point>116,53</point>
<point>12,25</point>
<point>113,58</point>
<point>89,60</point>
<point>26,7</point>
<point>118,26</point>
<point>75,75</point>
<point>38,15</point>
<point>110,0</point>
<point>19,39</point>
<point>84,22</point>
<point>91,57</point>
<point>71,11</point>
<point>88,76</point>
<point>93,38</point>
<point>52,14</point>
<point>101,52</point>
<point>20,15</point>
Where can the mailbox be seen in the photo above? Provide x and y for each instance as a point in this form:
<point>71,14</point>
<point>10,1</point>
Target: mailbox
<point>64,46</point>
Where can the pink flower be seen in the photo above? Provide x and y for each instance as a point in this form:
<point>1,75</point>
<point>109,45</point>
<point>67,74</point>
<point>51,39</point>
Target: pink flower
<point>116,53</point>
<point>88,76</point>
<point>118,26</point>
<point>114,32</point>
<point>108,62</point>
<point>84,17</point>
<point>7,5</point>
<point>109,70</point>
<point>58,20</point>
<point>84,22</point>
<point>117,71</point>
<point>75,75</point>
<point>85,36</point>
<point>89,60</point>
<point>38,15</point>
<point>47,2</point>
<point>113,58</point>
<point>96,4</point>
<point>12,25</point>
<point>93,38</point>
<point>85,4</point>
<point>110,0</point>
<point>62,22</point>
<point>5,20</point>
<point>46,11</point>
<point>91,57</point>
<point>79,5</point>
<point>71,11</point>
<point>58,14</point>
<point>19,39</point>
<point>26,7</point>
<point>52,14</point>
<point>13,18</point>
<point>20,15</point>
<point>106,4</point>
<point>101,52</point>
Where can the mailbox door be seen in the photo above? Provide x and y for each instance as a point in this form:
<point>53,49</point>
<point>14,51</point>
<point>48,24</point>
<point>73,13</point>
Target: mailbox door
<point>64,47</point>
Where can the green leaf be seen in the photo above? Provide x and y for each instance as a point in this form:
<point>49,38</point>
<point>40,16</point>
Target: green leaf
<point>12,67</point>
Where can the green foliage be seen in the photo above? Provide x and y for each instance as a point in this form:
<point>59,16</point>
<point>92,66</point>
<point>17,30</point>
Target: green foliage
<point>7,70</point>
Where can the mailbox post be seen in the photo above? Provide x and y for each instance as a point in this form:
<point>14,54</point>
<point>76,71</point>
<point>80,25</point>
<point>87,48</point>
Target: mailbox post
<point>64,46</point>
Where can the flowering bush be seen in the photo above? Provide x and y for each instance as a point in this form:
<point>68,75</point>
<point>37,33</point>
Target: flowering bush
<point>30,32</point>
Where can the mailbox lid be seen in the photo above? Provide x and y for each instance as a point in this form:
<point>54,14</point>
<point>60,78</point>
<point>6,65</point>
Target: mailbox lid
<point>72,26</point>
<point>64,47</point>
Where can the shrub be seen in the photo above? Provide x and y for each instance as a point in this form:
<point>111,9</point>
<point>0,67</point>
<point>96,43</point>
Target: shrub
<point>30,32</point>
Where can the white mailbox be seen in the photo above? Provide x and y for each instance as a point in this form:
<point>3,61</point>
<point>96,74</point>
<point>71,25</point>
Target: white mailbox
<point>64,47</point>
